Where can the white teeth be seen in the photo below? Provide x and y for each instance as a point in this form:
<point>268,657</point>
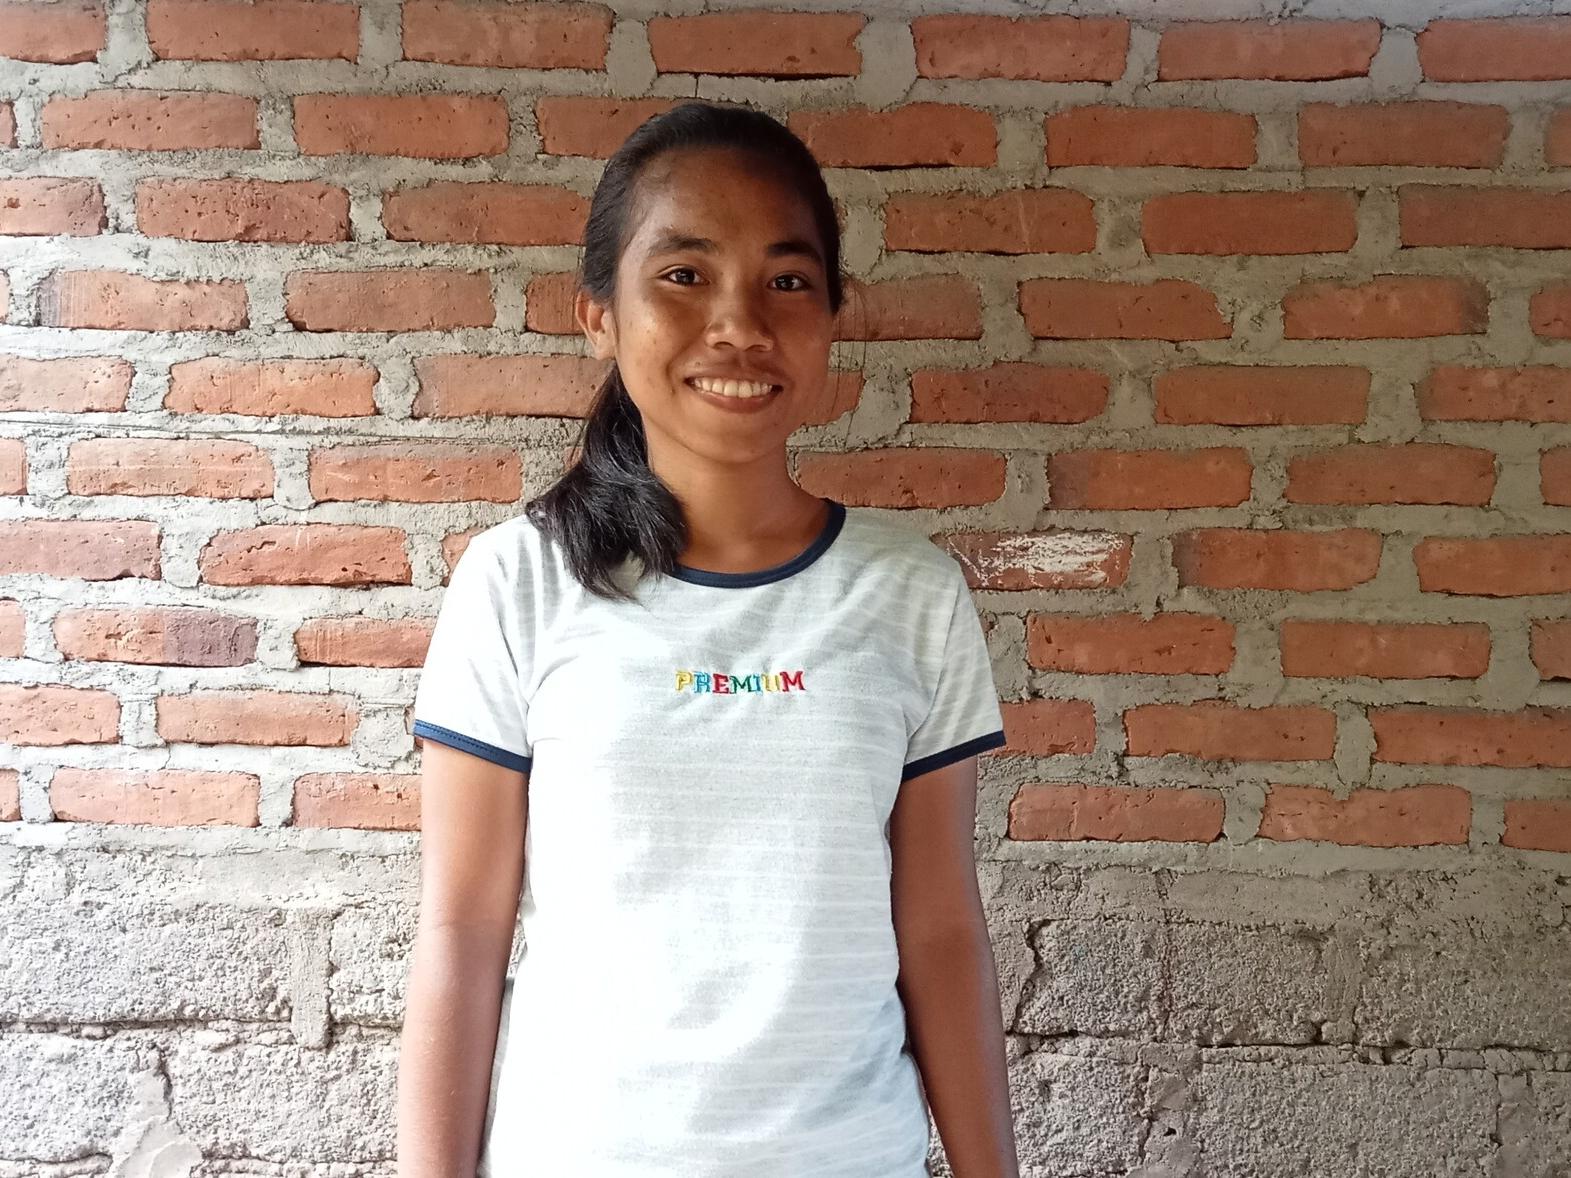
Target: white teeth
<point>731,388</point>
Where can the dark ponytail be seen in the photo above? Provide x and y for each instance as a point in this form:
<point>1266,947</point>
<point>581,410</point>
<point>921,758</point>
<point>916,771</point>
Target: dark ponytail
<point>609,505</point>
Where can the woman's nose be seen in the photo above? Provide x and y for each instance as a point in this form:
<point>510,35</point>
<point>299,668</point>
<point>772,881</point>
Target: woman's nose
<point>737,319</point>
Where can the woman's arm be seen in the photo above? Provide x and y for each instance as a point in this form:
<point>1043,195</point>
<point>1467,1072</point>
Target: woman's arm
<point>948,980</point>
<point>471,874</point>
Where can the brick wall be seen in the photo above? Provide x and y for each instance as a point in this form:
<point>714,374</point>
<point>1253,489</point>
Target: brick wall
<point>1231,359</point>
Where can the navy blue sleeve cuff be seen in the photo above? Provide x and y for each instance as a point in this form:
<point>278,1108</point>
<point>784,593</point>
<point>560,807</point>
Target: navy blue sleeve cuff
<point>468,744</point>
<point>949,756</point>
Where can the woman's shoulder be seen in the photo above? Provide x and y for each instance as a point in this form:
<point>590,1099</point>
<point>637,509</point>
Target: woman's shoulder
<point>893,544</point>
<point>515,548</point>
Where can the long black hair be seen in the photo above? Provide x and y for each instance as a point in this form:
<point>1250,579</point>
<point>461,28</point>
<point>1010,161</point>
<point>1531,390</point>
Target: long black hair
<point>609,505</point>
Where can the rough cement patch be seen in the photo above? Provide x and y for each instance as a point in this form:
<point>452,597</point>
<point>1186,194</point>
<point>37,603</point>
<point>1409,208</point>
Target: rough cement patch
<point>1477,991</point>
<point>286,1103</point>
<point>63,1098</point>
<point>141,961</point>
<point>1351,1121</point>
<point>1075,1115</point>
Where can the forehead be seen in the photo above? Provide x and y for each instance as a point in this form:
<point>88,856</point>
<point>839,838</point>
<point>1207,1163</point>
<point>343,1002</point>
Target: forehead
<point>716,200</point>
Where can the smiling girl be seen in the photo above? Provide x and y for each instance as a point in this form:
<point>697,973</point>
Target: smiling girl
<point>753,943</point>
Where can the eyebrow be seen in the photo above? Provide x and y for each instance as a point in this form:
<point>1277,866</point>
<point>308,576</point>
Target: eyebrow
<point>672,241</point>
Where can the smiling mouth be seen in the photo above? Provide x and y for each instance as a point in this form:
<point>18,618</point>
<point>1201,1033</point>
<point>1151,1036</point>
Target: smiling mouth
<point>741,390</point>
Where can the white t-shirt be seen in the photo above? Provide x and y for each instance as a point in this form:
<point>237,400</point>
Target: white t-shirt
<point>707,985</point>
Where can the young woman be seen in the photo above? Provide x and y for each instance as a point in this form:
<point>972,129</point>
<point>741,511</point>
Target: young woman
<point>743,721</point>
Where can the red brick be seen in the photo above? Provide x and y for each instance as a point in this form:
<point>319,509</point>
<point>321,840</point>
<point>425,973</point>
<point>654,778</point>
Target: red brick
<point>427,126</point>
<point>548,305</point>
<point>13,466</point>
<point>548,36</point>
<point>92,550</point>
<point>1554,475</point>
<point>243,210</point>
<point>908,476</point>
<point>1283,51</point>
<point>1557,139</point>
<point>1508,49</point>
<point>916,135</point>
<point>1008,391</point>
<point>1120,814</point>
<point>1462,736</point>
<point>13,629</point>
<point>1528,393</point>
<point>929,306</point>
<point>1423,134</point>
<point>1034,48</point>
<point>1414,816</point>
<point>367,801</point>
<point>1537,825</point>
<point>363,642</point>
<point>256,717</point>
<point>77,384</point>
<point>54,715</point>
<point>1518,218</point>
<point>164,636</point>
<point>7,125</point>
<point>147,121</point>
<point>160,797</point>
<point>1410,472</point>
<point>1057,559</point>
<point>1048,727</point>
<point>1319,221</point>
<point>272,388</point>
<point>453,547</point>
<point>1551,647</point>
<point>1139,137</point>
<point>1215,730</point>
<point>1090,308</point>
<point>307,554</point>
<point>257,30</point>
<point>1549,312</point>
<point>10,796</point>
<point>595,127</point>
<point>840,394</point>
<point>210,469</point>
<point>130,302</point>
<point>1331,649</point>
<point>1242,394</point>
<point>424,299</point>
<point>1246,558</point>
<point>486,213</point>
<point>1499,566</point>
<point>414,473</point>
<point>1018,221</point>
<point>1113,480</point>
<point>1129,644</point>
<point>48,205</point>
<point>759,43</point>
<point>1388,306</point>
<point>60,34</point>
<point>453,385</point>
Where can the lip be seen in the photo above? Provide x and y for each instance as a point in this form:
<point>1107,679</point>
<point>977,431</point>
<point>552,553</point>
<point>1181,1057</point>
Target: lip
<point>735,404</point>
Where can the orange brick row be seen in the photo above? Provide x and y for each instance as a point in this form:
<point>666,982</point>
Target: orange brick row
<point>797,45</point>
<point>1416,133</point>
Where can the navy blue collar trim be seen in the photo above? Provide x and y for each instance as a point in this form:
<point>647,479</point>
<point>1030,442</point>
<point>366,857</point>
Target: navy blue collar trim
<point>779,572</point>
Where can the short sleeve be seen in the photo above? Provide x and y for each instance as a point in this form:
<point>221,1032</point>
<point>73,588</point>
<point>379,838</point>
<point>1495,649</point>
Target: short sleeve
<point>471,692</point>
<point>964,718</point>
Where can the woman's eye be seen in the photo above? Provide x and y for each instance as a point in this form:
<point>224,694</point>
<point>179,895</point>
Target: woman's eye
<point>682,270</point>
<point>796,278</point>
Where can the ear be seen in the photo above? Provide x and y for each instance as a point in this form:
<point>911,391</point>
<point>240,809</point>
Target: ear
<point>597,323</point>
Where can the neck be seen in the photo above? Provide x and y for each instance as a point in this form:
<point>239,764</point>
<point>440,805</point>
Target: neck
<point>743,516</point>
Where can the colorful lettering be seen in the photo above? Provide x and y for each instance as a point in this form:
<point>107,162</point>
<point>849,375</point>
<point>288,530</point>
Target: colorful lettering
<point>730,683</point>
